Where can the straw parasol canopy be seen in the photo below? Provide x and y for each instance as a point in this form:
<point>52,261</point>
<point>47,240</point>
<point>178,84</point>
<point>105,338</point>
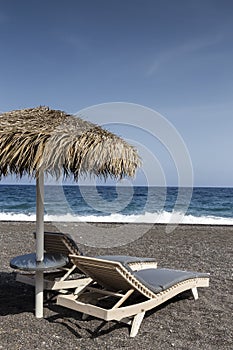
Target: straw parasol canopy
<point>39,140</point>
<point>58,143</point>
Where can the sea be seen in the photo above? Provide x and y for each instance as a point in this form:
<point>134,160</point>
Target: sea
<point>198,205</point>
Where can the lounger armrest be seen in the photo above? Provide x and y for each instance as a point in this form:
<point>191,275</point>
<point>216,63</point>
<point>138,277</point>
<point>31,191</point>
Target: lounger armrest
<point>137,266</point>
<point>133,263</point>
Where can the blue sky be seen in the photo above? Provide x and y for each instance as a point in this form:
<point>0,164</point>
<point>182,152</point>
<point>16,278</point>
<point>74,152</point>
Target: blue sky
<point>172,56</point>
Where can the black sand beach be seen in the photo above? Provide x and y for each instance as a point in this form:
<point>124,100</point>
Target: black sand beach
<point>181,323</point>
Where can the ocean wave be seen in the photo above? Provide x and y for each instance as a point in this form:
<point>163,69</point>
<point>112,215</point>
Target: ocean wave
<point>160,218</point>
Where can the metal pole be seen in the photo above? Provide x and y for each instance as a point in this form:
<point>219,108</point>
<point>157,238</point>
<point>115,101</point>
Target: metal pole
<point>39,244</point>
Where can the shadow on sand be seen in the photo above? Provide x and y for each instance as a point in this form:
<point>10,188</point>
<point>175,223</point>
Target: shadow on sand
<point>15,297</point>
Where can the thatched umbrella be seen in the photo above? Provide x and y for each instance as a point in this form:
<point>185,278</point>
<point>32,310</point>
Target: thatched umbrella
<point>39,140</point>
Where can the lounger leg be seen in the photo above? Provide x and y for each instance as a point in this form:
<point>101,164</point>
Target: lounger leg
<point>136,323</point>
<point>195,293</point>
<point>68,273</point>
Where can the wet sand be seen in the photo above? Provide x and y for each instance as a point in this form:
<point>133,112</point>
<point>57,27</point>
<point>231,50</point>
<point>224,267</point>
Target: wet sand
<point>181,323</point>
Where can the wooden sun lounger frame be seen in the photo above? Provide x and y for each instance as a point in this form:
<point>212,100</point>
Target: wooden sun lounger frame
<point>114,274</point>
<point>56,242</point>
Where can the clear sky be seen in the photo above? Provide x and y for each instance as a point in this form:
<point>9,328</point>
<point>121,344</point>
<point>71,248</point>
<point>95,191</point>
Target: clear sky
<point>172,56</point>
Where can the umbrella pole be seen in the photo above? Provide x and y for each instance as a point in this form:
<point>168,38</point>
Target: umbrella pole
<point>39,244</point>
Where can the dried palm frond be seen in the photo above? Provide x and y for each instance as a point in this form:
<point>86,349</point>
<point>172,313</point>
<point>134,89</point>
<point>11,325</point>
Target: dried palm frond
<point>58,143</point>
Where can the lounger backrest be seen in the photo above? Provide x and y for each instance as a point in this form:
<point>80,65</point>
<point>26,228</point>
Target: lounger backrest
<point>60,243</point>
<point>111,275</point>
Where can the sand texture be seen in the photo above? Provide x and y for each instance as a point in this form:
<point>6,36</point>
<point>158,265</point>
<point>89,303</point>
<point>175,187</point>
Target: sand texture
<point>181,323</point>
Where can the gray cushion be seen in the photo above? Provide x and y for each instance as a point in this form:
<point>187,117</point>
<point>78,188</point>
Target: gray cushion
<point>158,280</point>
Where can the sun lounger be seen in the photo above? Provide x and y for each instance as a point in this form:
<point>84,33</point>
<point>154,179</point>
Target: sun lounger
<point>132,293</point>
<point>68,276</point>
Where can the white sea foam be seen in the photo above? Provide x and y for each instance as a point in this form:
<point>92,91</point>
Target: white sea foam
<point>162,218</point>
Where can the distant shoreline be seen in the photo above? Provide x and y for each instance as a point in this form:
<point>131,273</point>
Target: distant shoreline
<point>118,223</point>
